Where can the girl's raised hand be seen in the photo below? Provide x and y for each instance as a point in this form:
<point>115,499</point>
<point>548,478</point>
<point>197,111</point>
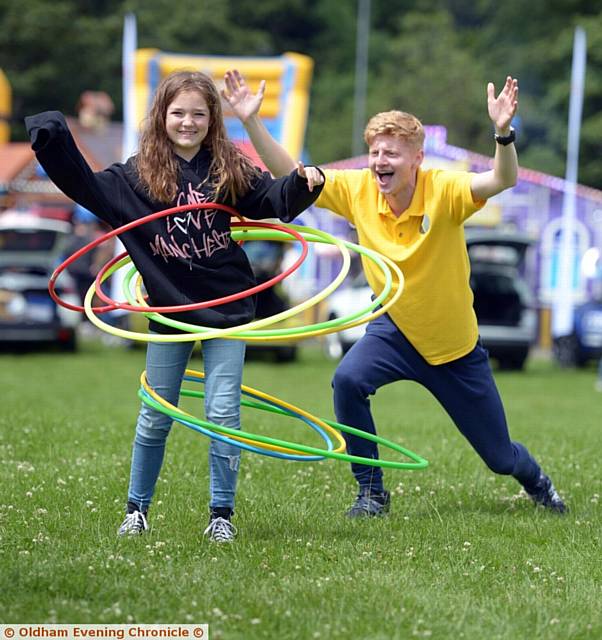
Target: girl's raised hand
<point>311,174</point>
<point>237,94</point>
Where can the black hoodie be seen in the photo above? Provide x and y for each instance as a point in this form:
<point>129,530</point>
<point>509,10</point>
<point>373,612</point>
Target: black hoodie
<point>183,258</point>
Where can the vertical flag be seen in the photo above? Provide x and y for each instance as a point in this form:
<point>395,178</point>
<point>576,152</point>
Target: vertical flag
<point>129,142</point>
<point>563,305</point>
<point>130,126</point>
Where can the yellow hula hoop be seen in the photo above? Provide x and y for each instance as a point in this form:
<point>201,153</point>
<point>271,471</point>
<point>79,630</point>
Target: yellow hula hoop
<point>281,403</point>
<point>247,337</point>
<point>223,333</point>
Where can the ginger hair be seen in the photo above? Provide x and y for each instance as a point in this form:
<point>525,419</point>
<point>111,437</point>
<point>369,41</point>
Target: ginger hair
<point>399,124</point>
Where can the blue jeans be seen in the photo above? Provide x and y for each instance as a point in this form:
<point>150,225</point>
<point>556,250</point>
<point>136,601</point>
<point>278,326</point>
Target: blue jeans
<point>165,366</point>
<point>464,387</point>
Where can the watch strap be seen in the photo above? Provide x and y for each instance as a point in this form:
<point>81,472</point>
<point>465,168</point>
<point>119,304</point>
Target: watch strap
<point>506,140</point>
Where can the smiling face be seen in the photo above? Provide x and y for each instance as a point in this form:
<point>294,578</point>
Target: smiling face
<point>394,163</point>
<point>187,123</point>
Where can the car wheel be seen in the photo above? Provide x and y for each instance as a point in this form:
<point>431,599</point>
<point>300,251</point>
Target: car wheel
<point>566,350</point>
<point>286,354</point>
<point>514,362</point>
<point>346,346</point>
<point>69,345</point>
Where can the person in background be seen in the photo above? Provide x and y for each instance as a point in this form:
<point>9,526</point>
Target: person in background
<point>86,228</point>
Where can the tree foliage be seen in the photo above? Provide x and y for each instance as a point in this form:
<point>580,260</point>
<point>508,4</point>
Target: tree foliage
<point>431,57</point>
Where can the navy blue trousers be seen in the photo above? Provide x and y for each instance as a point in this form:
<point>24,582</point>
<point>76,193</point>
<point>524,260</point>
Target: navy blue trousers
<point>465,388</point>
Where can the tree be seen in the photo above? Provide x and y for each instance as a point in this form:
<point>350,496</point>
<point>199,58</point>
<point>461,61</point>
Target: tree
<point>430,57</point>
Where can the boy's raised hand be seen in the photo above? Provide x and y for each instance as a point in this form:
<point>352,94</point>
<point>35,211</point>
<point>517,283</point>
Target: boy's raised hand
<point>503,108</point>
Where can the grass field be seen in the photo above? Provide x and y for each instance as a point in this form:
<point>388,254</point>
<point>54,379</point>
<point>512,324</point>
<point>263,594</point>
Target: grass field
<point>462,554</point>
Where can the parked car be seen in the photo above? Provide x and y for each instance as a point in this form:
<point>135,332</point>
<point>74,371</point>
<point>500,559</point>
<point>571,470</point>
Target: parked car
<point>503,304</point>
<point>585,342</point>
<point>30,248</point>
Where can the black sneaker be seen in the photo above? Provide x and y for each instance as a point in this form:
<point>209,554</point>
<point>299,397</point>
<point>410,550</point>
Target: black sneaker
<point>220,530</point>
<point>368,504</point>
<point>134,524</point>
<point>544,494</point>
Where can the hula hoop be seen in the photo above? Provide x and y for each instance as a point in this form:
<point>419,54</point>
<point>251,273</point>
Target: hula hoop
<point>255,335</point>
<point>216,301</point>
<point>239,436</point>
<point>115,232</point>
<point>241,443</point>
<point>369,313</point>
<point>418,462</point>
<point>208,332</point>
<point>143,395</point>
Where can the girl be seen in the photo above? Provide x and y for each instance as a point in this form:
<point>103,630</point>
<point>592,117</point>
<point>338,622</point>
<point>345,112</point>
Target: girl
<point>184,157</point>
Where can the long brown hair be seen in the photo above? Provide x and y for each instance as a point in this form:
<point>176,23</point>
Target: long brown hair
<point>230,172</point>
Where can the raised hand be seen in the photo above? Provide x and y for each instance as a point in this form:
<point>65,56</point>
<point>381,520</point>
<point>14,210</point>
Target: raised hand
<point>503,108</point>
<point>311,174</point>
<point>237,94</point>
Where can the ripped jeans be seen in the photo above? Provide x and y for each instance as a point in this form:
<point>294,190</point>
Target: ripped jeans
<point>165,365</point>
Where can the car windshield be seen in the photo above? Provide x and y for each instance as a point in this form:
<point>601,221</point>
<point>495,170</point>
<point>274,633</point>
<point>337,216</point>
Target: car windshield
<point>497,298</point>
<point>496,254</point>
<point>23,240</point>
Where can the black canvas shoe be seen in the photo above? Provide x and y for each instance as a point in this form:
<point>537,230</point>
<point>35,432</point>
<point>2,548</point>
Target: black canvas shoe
<point>134,524</point>
<point>220,530</point>
<point>368,504</point>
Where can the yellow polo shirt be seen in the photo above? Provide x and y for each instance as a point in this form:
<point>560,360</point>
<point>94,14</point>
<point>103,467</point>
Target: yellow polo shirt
<point>435,310</point>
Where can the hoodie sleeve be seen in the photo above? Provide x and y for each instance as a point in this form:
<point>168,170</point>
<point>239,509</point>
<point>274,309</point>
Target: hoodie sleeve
<point>64,164</point>
<point>283,198</point>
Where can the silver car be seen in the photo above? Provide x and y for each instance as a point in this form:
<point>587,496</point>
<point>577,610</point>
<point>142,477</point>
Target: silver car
<point>30,248</point>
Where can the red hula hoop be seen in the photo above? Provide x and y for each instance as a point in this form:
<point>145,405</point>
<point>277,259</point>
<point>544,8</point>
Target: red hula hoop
<point>153,216</point>
<point>216,301</point>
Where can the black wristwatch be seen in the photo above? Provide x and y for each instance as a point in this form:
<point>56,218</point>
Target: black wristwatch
<point>505,140</point>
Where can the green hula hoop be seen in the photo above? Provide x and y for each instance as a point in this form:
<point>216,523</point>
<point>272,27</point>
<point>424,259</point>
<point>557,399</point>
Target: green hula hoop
<point>418,461</point>
<point>362,316</point>
<point>197,333</point>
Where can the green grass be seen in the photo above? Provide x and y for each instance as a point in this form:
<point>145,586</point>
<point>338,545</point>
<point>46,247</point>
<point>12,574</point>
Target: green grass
<point>462,554</point>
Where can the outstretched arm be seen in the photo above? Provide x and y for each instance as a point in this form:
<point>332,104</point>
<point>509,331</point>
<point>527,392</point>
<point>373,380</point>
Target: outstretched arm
<point>285,197</point>
<point>64,164</point>
<point>505,162</point>
<point>246,106</point>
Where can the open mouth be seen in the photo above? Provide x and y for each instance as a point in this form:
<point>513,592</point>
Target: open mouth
<point>383,178</point>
